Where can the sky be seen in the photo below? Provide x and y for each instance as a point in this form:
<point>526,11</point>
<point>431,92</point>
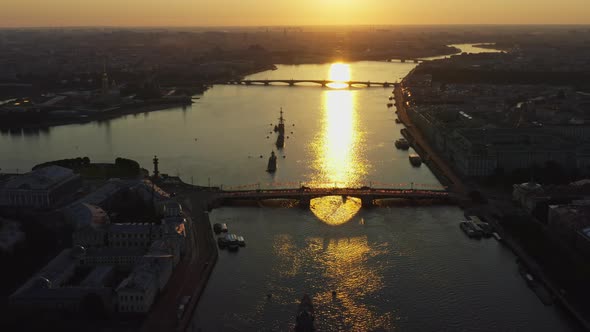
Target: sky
<point>37,13</point>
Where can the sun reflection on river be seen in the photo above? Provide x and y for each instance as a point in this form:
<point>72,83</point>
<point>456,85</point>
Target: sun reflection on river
<point>335,210</point>
<point>340,73</point>
<point>346,265</point>
<point>337,149</point>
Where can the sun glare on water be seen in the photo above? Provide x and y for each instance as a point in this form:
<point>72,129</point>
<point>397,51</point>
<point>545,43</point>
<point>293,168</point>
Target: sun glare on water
<point>340,73</point>
<point>338,149</point>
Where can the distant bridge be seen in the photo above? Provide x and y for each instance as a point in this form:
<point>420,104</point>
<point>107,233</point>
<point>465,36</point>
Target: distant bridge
<point>304,195</point>
<point>322,83</point>
<point>406,60</point>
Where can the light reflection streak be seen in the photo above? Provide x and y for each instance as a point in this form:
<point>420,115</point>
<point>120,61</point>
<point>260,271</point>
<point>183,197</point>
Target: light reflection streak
<point>337,148</point>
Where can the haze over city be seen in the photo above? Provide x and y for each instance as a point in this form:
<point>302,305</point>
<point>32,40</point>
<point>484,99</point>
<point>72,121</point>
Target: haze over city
<point>57,13</point>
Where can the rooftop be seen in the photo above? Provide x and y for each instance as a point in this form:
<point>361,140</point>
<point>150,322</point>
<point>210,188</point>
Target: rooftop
<point>98,276</point>
<point>40,179</point>
<point>133,228</point>
<point>53,271</point>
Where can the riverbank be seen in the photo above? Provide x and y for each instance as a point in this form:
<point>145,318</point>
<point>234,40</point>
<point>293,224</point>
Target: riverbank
<point>439,167</point>
<point>191,276</point>
<point>98,116</point>
<point>530,264</point>
<point>314,58</point>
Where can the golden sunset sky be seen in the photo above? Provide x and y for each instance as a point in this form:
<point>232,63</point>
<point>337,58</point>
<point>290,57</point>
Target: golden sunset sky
<point>15,13</point>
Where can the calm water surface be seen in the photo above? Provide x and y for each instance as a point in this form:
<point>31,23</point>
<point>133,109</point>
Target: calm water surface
<point>405,269</point>
<point>334,136</point>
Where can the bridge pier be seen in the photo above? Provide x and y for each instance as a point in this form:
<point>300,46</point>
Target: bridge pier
<point>248,83</point>
<point>367,201</point>
<point>266,83</point>
<point>291,83</point>
<point>305,202</point>
<point>386,85</point>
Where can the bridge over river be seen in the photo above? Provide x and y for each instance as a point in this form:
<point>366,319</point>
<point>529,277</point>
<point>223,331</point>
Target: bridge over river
<point>304,194</point>
<point>322,83</point>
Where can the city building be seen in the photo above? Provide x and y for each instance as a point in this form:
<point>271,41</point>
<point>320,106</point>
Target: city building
<point>11,235</point>
<point>137,292</point>
<point>583,241</point>
<point>91,224</point>
<point>124,258</point>
<point>43,188</point>
<point>54,287</point>
<point>104,195</point>
<point>528,195</point>
<point>133,235</point>
<point>172,209</point>
<point>567,220</point>
<point>114,266</point>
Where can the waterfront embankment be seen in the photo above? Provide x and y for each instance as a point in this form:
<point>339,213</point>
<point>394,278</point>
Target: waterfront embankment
<point>512,243</point>
<point>192,274</point>
<point>6,122</point>
<point>439,166</point>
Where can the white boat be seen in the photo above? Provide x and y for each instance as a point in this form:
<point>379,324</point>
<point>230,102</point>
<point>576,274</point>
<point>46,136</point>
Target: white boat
<point>241,241</point>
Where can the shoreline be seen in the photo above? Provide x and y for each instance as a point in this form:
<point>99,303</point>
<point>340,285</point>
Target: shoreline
<point>509,241</point>
<point>438,166</point>
<point>98,117</point>
<point>192,277</point>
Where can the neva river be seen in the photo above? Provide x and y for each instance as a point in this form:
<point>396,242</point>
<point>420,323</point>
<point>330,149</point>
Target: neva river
<point>393,268</point>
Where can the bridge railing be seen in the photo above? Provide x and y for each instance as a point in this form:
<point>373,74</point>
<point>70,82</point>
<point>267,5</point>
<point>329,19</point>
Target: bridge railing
<point>323,82</point>
<point>333,185</point>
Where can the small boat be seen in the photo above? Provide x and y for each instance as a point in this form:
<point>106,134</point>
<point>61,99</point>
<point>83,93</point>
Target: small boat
<point>224,228</point>
<point>241,241</point>
<point>476,228</point>
<point>217,228</point>
<point>466,229</point>
<point>391,98</point>
<point>272,163</point>
<point>486,228</point>
<point>415,160</point>
<point>305,315</point>
<point>470,230</point>
<point>497,236</point>
<point>397,120</point>
<point>389,104</point>
<point>402,143</point>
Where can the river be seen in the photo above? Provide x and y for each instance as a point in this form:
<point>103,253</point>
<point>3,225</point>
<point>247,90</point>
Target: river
<point>393,268</point>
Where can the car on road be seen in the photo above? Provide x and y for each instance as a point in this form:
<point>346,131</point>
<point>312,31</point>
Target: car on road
<point>219,228</point>
<point>182,306</point>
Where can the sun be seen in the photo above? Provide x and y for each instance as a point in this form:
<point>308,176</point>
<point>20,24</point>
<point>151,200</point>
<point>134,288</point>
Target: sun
<point>340,73</point>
